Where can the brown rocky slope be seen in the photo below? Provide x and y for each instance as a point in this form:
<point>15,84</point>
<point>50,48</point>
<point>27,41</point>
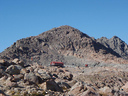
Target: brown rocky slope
<point>116,44</point>
<point>65,44</point>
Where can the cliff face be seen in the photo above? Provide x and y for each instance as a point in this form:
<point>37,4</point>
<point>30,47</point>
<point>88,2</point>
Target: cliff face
<point>65,44</point>
<point>116,44</point>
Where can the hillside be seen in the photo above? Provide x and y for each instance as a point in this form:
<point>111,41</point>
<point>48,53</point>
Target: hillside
<point>65,44</point>
<point>116,44</point>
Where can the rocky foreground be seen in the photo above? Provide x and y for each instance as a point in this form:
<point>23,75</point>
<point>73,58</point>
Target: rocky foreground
<point>16,79</point>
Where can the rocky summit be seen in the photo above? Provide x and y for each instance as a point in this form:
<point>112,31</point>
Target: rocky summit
<point>92,67</point>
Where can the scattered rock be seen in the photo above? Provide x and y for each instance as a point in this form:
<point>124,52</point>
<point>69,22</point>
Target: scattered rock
<point>13,69</point>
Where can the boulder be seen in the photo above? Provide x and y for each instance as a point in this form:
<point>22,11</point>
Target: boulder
<point>10,83</point>
<point>23,71</point>
<point>41,71</point>
<point>44,76</point>
<point>4,63</point>
<point>31,77</point>
<point>18,77</point>
<point>68,76</point>
<point>53,86</point>
<point>63,85</point>
<point>31,69</point>
<point>14,69</point>
<point>43,86</point>
<point>105,91</point>
<point>79,87</point>
<point>125,87</point>
<point>18,62</point>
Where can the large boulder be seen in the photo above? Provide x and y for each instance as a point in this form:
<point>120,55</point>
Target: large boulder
<point>31,77</point>
<point>52,85</point>
<point>44,76</point>
<point>14,69</point>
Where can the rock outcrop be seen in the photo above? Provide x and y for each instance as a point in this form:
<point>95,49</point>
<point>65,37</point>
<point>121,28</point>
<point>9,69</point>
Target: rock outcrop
<point>116,44</point>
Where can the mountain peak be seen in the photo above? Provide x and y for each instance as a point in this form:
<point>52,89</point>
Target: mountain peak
<point>57,44</point>
<point>66,31</point>
<point>65,26</point>
<point>115,37</point>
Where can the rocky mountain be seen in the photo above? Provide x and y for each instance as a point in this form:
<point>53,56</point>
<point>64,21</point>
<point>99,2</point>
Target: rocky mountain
<point>116,44</point>
<point>24,70</point>
<point>65,44</point>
